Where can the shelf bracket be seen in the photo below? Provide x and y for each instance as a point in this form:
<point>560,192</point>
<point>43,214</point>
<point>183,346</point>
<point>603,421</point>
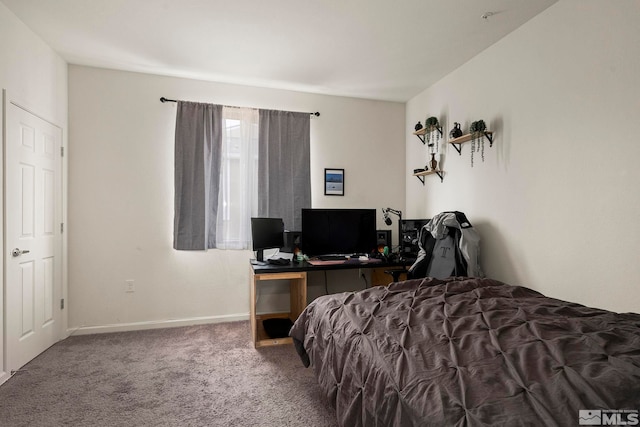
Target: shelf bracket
<point>422,137</point>
<point>437,172</point>
<point>490,138</point>
<point>458,146</point>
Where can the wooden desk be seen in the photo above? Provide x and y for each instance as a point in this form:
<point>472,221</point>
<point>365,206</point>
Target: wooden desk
<point>296,273</point>
<point>382,276</point>
<point>297,294</point>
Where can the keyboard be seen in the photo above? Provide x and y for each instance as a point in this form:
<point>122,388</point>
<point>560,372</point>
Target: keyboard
<point>278,261</point>
<point>332,258</point>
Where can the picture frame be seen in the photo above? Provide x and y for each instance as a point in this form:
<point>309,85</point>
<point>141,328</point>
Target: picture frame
<point>333,182</point>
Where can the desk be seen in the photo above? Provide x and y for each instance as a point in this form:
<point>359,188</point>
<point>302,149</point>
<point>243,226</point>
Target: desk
<point>296,273</point>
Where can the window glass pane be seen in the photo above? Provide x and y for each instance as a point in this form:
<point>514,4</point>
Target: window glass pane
<point>238,177</point>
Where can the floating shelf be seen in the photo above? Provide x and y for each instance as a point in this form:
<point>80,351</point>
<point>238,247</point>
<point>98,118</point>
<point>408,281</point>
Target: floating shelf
<point>422,132</point>
<point>421,175</point>
<point>457,142</point>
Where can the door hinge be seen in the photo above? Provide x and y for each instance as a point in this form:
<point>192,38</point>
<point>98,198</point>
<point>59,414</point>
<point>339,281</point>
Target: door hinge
<point>62,151</point>
<point>62,227</point>
<point>62,304</point>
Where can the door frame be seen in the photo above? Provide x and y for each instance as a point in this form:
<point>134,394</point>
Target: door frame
<point>63,332</point>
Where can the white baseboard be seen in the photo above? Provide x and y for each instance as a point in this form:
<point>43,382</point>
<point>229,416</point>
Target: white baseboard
<point>4,376</point>
<point>155,324</point>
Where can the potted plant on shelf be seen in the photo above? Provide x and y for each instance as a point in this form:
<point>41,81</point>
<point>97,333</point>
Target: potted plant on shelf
<point>477,129</point>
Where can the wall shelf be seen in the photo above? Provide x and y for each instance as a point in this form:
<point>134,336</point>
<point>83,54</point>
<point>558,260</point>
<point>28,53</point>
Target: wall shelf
<point>421,175</point>
<point>457,142</point>
<point>422,132</point>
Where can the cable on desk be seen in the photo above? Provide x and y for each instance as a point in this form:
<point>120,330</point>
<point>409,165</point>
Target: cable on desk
<point>363,277</point>
<point>326,286</point>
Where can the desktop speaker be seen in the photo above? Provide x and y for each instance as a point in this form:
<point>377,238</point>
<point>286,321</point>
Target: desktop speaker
<point>291,241</point>
<point>409,234</point>
<point>383,238</point>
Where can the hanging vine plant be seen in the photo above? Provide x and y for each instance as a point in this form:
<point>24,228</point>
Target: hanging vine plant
<point>431,124</point>
<point>477,129</point>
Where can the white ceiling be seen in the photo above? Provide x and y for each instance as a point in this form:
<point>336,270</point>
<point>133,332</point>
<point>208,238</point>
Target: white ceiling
<point>385,50</point>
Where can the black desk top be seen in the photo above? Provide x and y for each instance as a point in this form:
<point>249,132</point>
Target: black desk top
<point>263,268</point>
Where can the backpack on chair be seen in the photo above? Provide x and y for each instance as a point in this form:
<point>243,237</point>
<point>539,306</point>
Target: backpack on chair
<point>449,246</point>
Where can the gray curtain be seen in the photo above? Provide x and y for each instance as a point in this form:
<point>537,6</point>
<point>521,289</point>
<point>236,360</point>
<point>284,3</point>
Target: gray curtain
<point>284,179</point>
<point>197,171</point>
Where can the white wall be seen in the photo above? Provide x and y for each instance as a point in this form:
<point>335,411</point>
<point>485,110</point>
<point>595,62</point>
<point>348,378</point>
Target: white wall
<point>556,200</point>
<point>36,77</point>
<point>121,193</point>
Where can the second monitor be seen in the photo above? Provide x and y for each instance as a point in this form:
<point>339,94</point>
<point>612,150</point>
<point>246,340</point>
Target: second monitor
<point>338,231</point>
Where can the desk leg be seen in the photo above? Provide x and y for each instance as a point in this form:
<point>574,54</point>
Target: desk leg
<point>298,295</point>
<point>252,312</point>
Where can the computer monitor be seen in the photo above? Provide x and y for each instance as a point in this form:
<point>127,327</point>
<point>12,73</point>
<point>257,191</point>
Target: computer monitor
<point>338,231</point>
<point>266,233</point>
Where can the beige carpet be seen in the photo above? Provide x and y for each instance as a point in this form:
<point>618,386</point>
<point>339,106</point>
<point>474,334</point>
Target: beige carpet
<point>193,376</point>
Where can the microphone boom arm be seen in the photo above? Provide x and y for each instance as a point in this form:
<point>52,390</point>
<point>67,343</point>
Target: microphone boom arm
<point>393,211</point>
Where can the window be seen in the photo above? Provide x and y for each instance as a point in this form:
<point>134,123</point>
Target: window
<point>238,198</point>
<point>233,164</point>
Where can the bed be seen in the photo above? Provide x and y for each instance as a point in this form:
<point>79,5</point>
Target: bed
<point>469,352</point>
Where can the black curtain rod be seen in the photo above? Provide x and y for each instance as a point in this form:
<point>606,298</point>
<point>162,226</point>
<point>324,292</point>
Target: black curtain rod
<point>163,99</point>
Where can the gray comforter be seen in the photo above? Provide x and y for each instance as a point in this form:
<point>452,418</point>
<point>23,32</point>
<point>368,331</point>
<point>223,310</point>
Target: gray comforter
<point>463,351</point>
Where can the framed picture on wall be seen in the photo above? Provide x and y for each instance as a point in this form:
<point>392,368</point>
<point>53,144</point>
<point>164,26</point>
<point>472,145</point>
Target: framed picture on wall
<point>333,182</point>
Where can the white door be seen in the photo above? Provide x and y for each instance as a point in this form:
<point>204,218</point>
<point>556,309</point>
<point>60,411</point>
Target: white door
<point>33,243</point>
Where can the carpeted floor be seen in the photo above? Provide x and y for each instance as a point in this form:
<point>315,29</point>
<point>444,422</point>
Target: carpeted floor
<point>206,375</point>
